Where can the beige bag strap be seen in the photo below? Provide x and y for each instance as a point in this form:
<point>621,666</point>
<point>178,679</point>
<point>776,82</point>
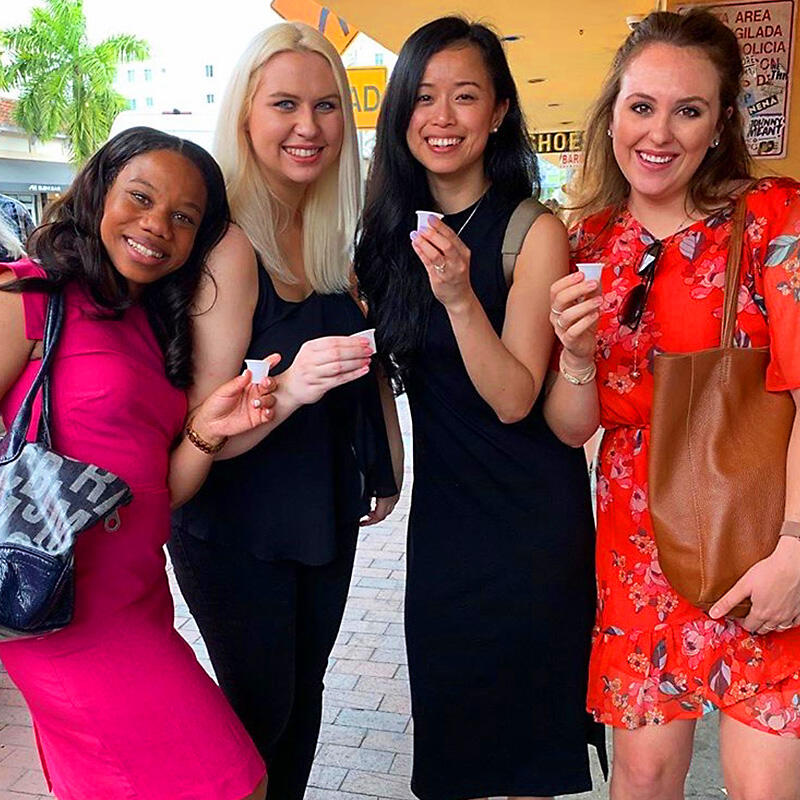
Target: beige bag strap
<point>525,214</point>
<point>733,271</point>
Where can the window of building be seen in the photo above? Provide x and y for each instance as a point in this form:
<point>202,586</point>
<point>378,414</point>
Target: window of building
<point>379,59</point>
<point>148,74</point>
<point>131,75</point>
<point>209,98</point>
<point>148,101</point>
<point>132,104</point>
<point>209,70</point>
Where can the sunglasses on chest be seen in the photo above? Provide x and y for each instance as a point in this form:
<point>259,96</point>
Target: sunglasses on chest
<point>632,307</point>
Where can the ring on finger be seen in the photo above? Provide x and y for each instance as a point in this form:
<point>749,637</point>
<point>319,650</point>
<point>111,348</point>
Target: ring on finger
<point>784,627</point>
<point>560,323</point>
<point>440,268</point>
<point>555,311</point>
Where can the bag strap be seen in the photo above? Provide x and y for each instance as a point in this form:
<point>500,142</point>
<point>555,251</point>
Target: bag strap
<point>18,433</point>
<point>525,214</point>
<point>733,271</point>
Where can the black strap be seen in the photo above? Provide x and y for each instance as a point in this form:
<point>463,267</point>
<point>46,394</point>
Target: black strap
<point>19,428</point>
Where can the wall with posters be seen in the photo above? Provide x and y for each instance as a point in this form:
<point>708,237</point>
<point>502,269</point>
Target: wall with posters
<point>767,31</point>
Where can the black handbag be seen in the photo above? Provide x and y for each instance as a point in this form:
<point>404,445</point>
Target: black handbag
<point>46,500</point>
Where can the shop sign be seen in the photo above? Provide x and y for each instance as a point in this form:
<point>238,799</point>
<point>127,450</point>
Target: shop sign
<point>547,142</point>
<point>766,34</point>
<point>332,26</point>
<point>367,86</point>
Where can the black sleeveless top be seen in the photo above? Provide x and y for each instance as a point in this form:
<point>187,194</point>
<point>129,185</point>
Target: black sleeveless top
<point>286,497</point>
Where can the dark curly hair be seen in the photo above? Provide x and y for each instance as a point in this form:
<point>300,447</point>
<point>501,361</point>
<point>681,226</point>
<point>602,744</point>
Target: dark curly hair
<point>390,277</point>
<point>69,248</point>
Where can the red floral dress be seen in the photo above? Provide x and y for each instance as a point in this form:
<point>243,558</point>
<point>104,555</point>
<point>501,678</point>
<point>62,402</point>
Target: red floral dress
<point>655,657</point>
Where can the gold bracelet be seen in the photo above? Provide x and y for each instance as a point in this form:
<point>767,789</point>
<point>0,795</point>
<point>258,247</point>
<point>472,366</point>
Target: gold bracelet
<point>200,443</point>
<point>582,377</point>
<point>790,528</point>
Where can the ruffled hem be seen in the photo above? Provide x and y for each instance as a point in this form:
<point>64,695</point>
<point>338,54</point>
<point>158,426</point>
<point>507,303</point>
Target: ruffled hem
<point>650,677</point>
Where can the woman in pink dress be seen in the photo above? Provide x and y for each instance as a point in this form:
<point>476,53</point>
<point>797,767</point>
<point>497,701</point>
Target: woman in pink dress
<point>120,705</point>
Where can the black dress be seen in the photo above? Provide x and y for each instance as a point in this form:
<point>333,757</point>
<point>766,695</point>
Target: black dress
<point>500,596</point>
<point>264,552</point>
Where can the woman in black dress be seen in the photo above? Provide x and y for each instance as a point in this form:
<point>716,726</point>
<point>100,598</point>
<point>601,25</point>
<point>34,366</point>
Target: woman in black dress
<point>500,594</point>
<point>264,553</point>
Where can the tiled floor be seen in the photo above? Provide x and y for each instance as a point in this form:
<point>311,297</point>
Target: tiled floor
<point>364,751</point>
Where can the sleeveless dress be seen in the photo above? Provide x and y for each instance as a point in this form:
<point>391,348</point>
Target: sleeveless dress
<point>656,657</point>
<point>499,600</point>
<point>264,552</point>
<point>121,708</point>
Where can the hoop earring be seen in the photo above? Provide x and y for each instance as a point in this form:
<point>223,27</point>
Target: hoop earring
<point>608,132</point>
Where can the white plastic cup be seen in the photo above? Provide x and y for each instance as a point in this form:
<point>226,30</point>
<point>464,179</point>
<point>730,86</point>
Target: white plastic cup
<point>367,334</point>
<point>422,218</point>
<point>258,368</point>
<point>591,270</point>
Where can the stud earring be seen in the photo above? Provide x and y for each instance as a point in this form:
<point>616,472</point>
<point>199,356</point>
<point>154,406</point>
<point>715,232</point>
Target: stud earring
<point>610,135</point>
<point>715,141</point>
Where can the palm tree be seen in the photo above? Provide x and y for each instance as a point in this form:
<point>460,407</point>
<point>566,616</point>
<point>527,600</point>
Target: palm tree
<point>64,84</point>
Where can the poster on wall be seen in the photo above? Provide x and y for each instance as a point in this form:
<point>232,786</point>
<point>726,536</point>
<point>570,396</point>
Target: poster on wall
<point>766,34</point>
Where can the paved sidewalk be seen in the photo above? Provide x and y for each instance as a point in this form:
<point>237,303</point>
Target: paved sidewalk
<point>365,742</point>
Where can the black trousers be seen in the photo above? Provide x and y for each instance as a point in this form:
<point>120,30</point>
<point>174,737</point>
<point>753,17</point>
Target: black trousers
<point>269,627</point>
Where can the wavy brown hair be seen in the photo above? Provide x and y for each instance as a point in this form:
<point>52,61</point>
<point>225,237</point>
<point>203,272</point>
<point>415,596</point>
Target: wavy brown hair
<point>600,183</point>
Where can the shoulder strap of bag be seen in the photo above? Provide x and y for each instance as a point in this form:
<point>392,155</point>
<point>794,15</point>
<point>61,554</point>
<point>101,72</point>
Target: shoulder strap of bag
<point>19,428</point>
<point>733,271</point>
<point>525,214</point>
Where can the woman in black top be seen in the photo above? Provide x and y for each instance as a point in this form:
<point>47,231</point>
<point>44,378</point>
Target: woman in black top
<point>264,553</point>
<point>500,593</point>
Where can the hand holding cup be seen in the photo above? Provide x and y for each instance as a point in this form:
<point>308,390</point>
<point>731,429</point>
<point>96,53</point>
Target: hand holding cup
<point>574,314</point>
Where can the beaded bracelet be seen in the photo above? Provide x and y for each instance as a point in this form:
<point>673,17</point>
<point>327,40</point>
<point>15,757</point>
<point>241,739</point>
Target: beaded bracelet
<point>200,443</point>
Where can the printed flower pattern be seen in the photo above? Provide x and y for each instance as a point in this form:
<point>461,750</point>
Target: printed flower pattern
<point>656,657</point>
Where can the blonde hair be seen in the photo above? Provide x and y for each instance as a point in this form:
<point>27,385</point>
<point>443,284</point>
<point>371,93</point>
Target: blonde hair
<point>327,236</point>
<point>600,183</point>
<point>9,241</point>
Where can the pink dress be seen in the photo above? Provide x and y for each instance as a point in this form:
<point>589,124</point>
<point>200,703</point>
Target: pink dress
<point>120,705</point>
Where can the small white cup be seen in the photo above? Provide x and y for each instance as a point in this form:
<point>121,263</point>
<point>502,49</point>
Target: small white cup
<point>258,368</point>
<point>367,334</point>
<point>591,270</point>
<point>422,218</point>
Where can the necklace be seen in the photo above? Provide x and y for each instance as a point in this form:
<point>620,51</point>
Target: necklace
<point>472,214</point>
<point>635,372</point>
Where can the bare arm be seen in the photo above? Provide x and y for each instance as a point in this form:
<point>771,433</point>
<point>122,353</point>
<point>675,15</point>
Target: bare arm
<point>16,350</point>
<point>222,329</point>
<point>507,371</point>
<point>573,412</point>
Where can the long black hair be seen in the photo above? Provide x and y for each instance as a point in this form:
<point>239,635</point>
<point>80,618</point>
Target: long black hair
<point>69,248</point>
<point>391,279</point>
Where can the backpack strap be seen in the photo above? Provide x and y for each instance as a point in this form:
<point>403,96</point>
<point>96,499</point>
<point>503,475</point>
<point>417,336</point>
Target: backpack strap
<point>525,214</point>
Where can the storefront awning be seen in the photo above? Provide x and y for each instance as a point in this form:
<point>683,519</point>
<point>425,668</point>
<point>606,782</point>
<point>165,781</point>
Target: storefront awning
<point>22,175</point>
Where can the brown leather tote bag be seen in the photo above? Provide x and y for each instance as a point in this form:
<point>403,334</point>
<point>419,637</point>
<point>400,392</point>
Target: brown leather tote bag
<point>717,463</point>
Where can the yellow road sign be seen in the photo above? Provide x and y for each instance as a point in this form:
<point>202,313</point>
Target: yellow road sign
<point>335,29</point>
<point>367,85</point>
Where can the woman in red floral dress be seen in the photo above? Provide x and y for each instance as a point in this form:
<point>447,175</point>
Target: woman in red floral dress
<point>665,159</point>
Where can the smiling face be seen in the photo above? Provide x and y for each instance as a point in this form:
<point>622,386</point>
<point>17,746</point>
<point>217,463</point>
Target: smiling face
<point>296,124</point>
<point>151,215</point>
<point>665,118</point>
<point>454,113</point>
